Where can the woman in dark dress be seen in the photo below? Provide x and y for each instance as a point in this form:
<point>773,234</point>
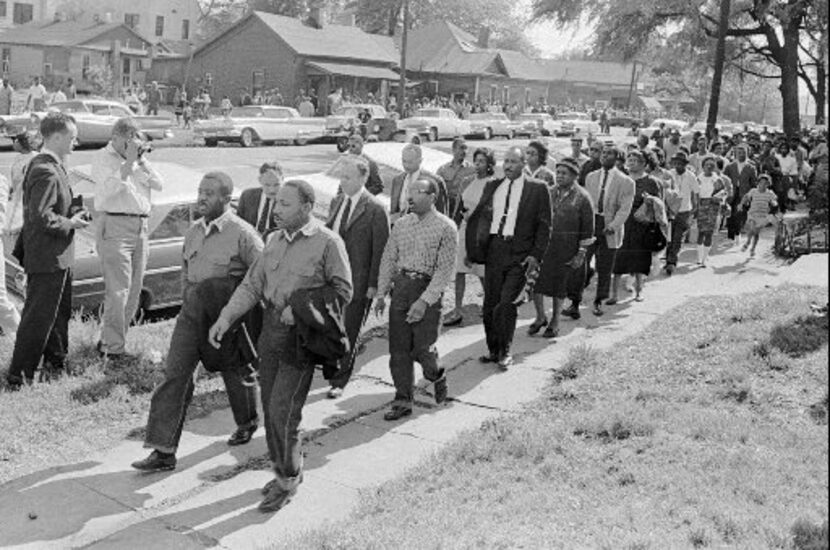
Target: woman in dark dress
<point>572,231</point>
<point>634,256</point>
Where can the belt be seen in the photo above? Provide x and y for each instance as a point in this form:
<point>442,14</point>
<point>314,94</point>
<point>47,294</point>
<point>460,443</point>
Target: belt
<point>504,238</point>
<point>127,214</point>
<point>409,274</point>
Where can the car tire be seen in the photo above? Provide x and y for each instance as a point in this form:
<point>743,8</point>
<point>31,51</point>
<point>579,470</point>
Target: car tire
<point>545,133</point>
<point>247,138</point>
<point>488,134</point>
<point>432,135</point>
<point>342,144</point>
<point>511,135</point>
<point>211,143</point>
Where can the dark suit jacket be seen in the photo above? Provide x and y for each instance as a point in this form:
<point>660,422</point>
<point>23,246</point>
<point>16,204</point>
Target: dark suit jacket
<point>532,231</point>
<point>248,206</point>
<point>374,184</point>
<point>441,201</point>
<point>743,182</point>
<point>47,231</point>
<point>365,238</point>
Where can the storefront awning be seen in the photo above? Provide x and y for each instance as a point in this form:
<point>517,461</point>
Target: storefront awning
<point>651,103</point>
<point>360,71</point>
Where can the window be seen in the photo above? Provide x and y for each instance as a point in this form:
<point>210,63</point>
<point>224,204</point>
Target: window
<point>7,60</point>
<point>23,13</point>
<point>208,79</point>
<point>257,81</point>
<point>159,25</point>
<point>100,108</point>
<point>3,11</point>
<point>119,112</point>
<point>47,69</point>
<point>185,29</point>
<point>85,63</point>
<point>131,20</point>
<point>175,223</point>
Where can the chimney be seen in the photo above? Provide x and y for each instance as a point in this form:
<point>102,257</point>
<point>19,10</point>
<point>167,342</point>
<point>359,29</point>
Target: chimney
<point>316,17</point>
<point>484,37</point>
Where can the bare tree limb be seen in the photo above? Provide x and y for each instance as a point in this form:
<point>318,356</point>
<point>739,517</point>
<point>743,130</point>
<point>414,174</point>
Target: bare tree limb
<point>754,73</point>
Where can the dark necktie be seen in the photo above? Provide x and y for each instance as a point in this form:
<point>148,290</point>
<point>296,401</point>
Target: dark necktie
<point>264,219</point>
<point>602,192</point>
<point>344,218</point>
<point>506,208</point>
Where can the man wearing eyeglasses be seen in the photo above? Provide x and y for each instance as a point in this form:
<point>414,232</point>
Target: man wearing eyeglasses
<point>593,162</point>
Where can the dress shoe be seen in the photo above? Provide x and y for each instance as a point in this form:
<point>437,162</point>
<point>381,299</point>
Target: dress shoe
<point>334,393</point>
<point>598,309</point>
<point>440,390</point>
<point>242,436</point>
<point>572,311</point>
<point>14,382</point>
<point>397,412</point>
<point>490,358</point>
<point>505,361</point>
<point>453,319</point>
<point>551,332</point>
<point>669,269</point>
<point>536,326</point>
<point>611,302</point>
<point>156,462</point>
<point>268,487</point>
<point>276,499</point>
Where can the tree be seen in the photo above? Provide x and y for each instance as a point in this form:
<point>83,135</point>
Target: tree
<point>717,77</point>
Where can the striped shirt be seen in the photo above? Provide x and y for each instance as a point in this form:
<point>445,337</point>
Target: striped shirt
<point>427,246</point>
<point>759,203</point>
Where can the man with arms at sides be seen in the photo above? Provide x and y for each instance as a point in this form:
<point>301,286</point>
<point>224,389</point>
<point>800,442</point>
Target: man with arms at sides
<point>362,222</point>
<point>612,193</point>
<point>418,264</point>
<point>455,173</point>
<point>256,206</point>
<point>49,224</point>
<point>593,162</point>
<point>576,151</point>
<point>124,181</point>
<point>411,157</point>
<point>744,177</point>
<point>374,184</point>
<point>512,222</point>
<point>219,245</point>
<point>685,184</point>
<point>302,254</point>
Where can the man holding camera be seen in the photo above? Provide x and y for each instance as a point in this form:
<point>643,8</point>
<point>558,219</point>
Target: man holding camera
<point>124,181</point>
<point>49,224</point>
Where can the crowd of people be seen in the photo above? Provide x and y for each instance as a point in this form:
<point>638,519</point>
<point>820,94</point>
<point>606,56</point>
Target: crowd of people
<point>272,287</point>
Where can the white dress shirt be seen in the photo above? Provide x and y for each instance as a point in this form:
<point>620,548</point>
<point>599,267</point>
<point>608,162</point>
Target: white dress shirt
<point>339,219</point>
<point>124,196</point>
<point>499,200</point>
<point>261,210</point>
<point>403,201</point>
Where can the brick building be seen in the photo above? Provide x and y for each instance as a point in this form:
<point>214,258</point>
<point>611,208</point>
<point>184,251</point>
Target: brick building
<point>263,51</point>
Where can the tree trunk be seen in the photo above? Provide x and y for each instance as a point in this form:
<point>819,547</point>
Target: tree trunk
<point>821,87</point>
<point>717,77</point>
<point>789,77</point>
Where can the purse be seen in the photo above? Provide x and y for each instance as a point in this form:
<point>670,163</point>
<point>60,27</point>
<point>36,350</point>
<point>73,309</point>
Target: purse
<point>644,214</point>
<point>655,241</point>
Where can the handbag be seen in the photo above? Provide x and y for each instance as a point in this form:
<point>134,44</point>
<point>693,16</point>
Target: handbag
<point>655,241</point>
<point>644,214</point>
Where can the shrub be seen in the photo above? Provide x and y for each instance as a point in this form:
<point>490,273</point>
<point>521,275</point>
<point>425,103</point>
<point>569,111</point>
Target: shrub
<point>801,336</point>
<point>809,536</point>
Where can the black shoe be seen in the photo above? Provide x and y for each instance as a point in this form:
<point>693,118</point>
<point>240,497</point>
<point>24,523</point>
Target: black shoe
<point>242,436</point>
<point>156,462</point>
<point>572,311</point>
<point>505,361</point>
<point>669,269</point>
<point>598,309</point>
<point>15,382</point>
<point>440,390</point>
<point>490,358</point>
<point>536,326</point>
<point>551,332</point>
<point>268,487</point>
<point>276,499</point>
<point>397,412</point>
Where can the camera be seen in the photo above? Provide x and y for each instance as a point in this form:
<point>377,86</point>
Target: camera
<point>144,147</point>
<point>77,206</point>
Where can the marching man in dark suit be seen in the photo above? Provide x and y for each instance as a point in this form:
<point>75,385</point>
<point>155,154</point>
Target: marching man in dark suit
<point>361,221</point>
<point>411,157</point>
<point>256,206</point>
<point>49,224</point>
<point>508,232</point>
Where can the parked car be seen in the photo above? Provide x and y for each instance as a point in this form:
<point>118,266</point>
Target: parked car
<point>539,124</point>
<point>95,119</point>
<point>668,124</point>
<point>368,119</point>
<point>574,123</point>
<point>173,211</point>
<point>488,125</point>
<point>435,123</point>
<point>626,121</point>
<point>254,124</point>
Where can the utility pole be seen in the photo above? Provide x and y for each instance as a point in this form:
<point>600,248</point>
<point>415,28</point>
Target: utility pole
<point>631,86</point>
<point>402,82</point>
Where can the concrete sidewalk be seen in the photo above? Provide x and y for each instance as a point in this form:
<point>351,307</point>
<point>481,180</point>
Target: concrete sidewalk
<point>210,499</point>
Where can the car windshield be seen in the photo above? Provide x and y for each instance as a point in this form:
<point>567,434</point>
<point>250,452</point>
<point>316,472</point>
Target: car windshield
<point>428,113</point>
<point>532,116</point>
<point>486,116</point>
<point>247,112</point>
<point>576,116</point>
<point>346,111</point>
<point>69,107</point>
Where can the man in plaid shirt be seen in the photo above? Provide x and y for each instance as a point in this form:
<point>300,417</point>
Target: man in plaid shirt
<point>417,265</point>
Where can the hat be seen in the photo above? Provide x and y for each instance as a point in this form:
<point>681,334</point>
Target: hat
<point>680,156</point>
<point>570,164</point>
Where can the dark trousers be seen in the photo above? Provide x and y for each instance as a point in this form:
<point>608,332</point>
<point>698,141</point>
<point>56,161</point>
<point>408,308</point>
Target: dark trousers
<point>577,281</point>
<point>284,387</point>
<point>410,342</point>
<point>168,406</point>
<point>604,259</point>
<point>737,218</point>
<point>679,227</point>
<point>504,280</point>
<point>353,320</point>
<point>44,323</point>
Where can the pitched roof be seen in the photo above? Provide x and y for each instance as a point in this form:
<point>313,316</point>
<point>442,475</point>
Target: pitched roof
<point>60,33</point>
<point>518,65</point>
<point>595,72</point>
<point>444,48</point>
<point>336,41</point>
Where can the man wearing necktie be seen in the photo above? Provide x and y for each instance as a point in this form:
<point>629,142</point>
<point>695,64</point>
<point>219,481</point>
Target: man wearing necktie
<point>411,157</point>
<point>361,221</point>
<point>515,213</point>
<point>256,206</point>
<point>613,194</point>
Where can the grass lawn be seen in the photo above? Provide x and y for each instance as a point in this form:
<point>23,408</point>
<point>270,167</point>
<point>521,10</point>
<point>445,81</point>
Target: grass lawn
<point>709,429</point>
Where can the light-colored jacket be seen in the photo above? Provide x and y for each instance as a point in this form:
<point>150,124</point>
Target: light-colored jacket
<point>618,198</point>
